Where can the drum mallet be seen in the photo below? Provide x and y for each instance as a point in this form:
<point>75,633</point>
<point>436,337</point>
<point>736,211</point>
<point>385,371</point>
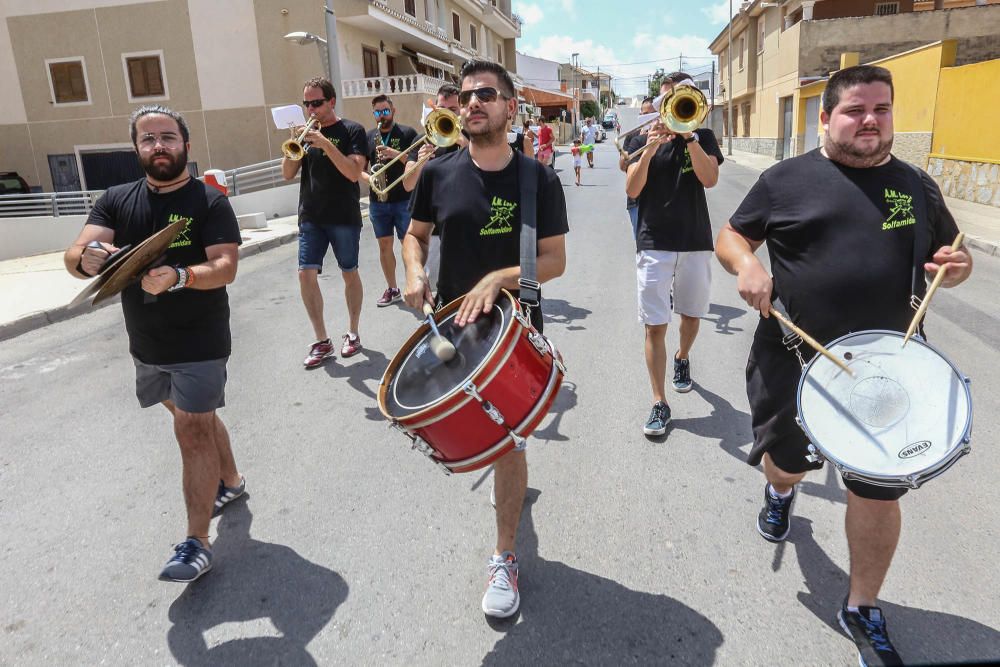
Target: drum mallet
<point>811,342</point>
<point>922,310</point>
<point>442,348</point>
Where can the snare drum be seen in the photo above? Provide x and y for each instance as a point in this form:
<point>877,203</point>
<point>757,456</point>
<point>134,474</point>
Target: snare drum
<point>904,418</point>
<point>468,412</point>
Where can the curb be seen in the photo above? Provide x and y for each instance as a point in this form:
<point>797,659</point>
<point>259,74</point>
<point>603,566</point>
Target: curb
<point>44,318</point>
<point>991,248</point>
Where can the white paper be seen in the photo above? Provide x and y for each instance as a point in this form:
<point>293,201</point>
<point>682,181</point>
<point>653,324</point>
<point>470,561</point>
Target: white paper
<point>288,116</point>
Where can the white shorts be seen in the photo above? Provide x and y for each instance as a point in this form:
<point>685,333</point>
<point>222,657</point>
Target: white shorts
<point>672,282</point>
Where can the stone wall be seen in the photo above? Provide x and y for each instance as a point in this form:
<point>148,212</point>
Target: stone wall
<point>977,182</point>
<point>912,147</point>
<point>761,145</point>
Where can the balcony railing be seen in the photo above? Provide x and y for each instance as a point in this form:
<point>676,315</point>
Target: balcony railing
<point>423,26</point>
<point>396,85</point>
<point>48,204</point>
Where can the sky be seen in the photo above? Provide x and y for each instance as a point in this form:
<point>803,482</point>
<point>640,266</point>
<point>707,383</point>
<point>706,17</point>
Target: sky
<point>629,39</point>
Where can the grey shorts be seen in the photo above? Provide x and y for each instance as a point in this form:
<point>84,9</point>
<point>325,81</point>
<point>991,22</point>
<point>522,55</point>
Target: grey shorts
<point>196,386</point>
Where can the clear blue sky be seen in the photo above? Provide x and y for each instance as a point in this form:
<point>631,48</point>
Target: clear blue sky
<point>628,39</point>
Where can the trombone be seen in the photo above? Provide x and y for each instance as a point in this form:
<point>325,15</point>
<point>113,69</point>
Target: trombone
<point>442,128</point>
<point>293,149</point>
<point>682,110</point>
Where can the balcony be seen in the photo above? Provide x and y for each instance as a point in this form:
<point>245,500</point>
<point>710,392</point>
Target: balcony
<point>495,17</point>
<point>457,48</point>
<point>392,85</point>
<point>378,18</point>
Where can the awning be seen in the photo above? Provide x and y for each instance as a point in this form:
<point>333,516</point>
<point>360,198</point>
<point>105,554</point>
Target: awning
<point>434,62</point>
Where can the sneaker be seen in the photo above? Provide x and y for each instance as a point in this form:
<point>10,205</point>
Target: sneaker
<point>227,494</point>
<point>682,375</point>
<point>659,417</point>
<point>390,296</point>
<point>866,627</point>
<point>774,520</point>
<point>351,346</point>
<point>318,353</point>
<point>190,560</point>
<point>502,599</point>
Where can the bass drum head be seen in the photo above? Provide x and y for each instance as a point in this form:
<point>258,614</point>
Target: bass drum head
<point>906,410</point>
<point>422,379</point>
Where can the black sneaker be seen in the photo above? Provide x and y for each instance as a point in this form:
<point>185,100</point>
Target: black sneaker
<point>227,494</point>
<point>773,522</point>
<point>190,560</point>
<point>682,375</point>
<point>866,627</point>
<point>659,417</point>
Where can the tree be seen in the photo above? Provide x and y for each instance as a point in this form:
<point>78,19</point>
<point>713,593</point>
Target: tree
<point>655,81</point>
<point>589,109</point>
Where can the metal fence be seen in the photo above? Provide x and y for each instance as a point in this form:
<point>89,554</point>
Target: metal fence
<point>254,177</point>
<point>48,204</point>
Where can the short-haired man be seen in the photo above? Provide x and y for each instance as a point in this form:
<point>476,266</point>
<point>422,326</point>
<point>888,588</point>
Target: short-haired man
<point>588,135</point>
<point>391,215</point>
<point>838,267</point>
<point>674,246</point>
<point>329,213</point>
<point>634,143</point>
<point>468,193</point>
<point>179,337</point>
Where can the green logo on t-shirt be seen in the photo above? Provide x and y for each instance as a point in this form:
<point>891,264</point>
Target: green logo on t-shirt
<point>687,162</point>
<point>184,238</point>
<point>900,210</point>
<point>394,143</point>
<point>501,215</point>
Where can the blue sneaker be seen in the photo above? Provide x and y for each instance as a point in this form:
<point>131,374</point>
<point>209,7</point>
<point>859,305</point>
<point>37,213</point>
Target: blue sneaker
<point>867,628</point>
<point>228,494</point>
<point>682,375</point>
<point>190,560</point>
<point>774,520</point>
<point>659,417</point>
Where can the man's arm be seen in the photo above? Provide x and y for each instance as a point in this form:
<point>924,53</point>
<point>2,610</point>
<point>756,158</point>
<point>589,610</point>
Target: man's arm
<point>736,254</point>
<point>958,265</point>
<point>706,167</point>
<point>218,270</point>
<point>289,168</point>
<point>415,245</point>
<point>413,169</point>
<point>350,166</point>
<point>638,171</point>
<point>92,259</point>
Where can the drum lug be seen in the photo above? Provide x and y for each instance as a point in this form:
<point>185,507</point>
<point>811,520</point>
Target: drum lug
<point>522,319</point>
<point>913,481</point>
<point>427,450</point>
<point>472,390</point>
<point>814,455</point>
<point>399,427</point>
<point>967,379</point>
<point>493,413</point>
<point>538,340</point>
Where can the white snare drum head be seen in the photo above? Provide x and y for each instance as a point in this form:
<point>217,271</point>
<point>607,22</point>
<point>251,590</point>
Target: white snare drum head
<point>905,411</point>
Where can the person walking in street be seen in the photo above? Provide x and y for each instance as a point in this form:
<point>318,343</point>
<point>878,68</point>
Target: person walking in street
<point>846,256</point>
<point>329,213</point>
<point>588,136</point>
<point>474,197</point>
<point>673,247</point>
<point>177,318</point>
<point>389,215</point>
<point>546,144</point>
<point>634,143</point>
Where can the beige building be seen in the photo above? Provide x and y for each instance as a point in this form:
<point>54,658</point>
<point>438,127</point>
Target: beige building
<point>779,48</point>
<point>73,70</point>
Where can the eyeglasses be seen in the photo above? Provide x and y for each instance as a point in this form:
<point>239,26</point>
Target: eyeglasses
<point>485,95</point>
<point>381,112</point>
<point>166,139</point>
<point>314,104</point>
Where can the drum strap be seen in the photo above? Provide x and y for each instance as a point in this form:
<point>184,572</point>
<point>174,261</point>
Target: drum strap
<point>530,289</point>
<point>921,240</point>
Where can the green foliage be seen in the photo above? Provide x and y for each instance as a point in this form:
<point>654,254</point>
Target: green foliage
<point>589,109</point>
<point>655,81</point>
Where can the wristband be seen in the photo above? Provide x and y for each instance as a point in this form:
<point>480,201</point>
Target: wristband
<point>693,138</point>
<point>190,277</point>
<point>181,279</point>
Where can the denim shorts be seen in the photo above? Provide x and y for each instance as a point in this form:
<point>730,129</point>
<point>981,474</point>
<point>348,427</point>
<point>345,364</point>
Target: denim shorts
<point>314,240</point>
<point>389,216</point>
<point>196,386</point>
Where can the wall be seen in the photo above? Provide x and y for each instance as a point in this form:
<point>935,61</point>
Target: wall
<point>830,10</point>
<point>538,72</point>
<point>24,237</point>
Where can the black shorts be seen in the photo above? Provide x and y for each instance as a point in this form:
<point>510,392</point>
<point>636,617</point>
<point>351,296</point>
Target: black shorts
<point>773,374</point>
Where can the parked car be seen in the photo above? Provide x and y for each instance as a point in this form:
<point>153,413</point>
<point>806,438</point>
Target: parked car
<point>11,183</point>
<point>610,120</point>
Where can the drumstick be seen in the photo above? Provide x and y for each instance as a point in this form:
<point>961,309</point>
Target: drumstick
<point>442,348</point>
<point>922,310</point>
<point>811,342</point>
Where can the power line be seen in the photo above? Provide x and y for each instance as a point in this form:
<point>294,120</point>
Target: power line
<point>647,62</point>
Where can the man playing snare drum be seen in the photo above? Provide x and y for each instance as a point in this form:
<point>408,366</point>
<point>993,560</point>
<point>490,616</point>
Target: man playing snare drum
<point>841,223</point>
<point>473,196</point>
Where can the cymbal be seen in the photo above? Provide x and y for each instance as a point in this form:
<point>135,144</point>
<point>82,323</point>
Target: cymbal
<point>118,274</point>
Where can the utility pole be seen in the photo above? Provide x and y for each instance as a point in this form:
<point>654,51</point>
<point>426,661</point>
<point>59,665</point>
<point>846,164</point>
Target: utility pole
<point>729,86</point>
<point>332,47</point>
<point>711,86</point>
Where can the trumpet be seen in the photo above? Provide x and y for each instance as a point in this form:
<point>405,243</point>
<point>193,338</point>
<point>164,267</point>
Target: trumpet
<point>442,129</point>
<point>682,110</point>
<point>293,149</point>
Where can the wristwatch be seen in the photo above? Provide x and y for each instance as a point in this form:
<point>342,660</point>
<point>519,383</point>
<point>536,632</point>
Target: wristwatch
<point>182,279</point>
<point>692,138</point>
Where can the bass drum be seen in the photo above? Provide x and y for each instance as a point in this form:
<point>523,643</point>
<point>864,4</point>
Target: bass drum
<point>471,410</point>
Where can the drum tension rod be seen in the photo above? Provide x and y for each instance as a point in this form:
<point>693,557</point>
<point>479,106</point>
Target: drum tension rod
<point>492,412</point>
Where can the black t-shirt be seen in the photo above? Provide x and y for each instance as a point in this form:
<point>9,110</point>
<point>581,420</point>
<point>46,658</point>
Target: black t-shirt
<point>189,324</point>
<point>841,241</point>
<point>479,216</point>
<point>673,211</point>
<point>327,197</point>
<point>399,137</point>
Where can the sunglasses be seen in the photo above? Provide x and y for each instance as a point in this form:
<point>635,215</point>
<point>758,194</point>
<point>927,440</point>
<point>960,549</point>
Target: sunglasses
<point>381,112</point>
<point>314,104</point>
<point>485,95</point>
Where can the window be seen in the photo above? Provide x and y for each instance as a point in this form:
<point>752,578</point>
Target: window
<point>886,8</point>
<point>746,119</point>
<point>472,37</point>
<point>743,47</point>
<point>68,81</point>
<point>761,24</point>
<point>456,27</point>
<point>410,6</point>
<point>144,75</point>
<point>500,54</point>
<point>369,59</point>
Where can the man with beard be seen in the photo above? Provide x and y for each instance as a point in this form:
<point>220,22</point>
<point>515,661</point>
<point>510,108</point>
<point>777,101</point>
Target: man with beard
<point>851,231</point>
<point>329,213</point>
<point>474,197</point>
<point>392,216</point>
<point>177,319</point>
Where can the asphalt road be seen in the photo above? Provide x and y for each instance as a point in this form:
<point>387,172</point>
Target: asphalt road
<point>351,549</point>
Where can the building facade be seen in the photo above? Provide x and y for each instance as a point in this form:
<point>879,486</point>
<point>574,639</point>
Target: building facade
<point>73,70</point>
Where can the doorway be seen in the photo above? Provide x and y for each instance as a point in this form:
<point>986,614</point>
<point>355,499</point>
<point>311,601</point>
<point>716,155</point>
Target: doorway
<point>786,128</point>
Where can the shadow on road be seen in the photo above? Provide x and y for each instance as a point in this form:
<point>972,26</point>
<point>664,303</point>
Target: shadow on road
<point>565,401</point>
<point>358,371</point>
<point>920,636</point>
<point>253,582</point>
<point>571,616</point>
<point>724,315</point>
<point>731,427</point>
<point>560,311</point>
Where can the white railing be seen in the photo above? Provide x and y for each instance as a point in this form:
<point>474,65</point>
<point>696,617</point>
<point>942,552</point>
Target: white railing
<point>254,177</point>
<point>48,204</point>
<point>392,85</point>
<point>423,26</point>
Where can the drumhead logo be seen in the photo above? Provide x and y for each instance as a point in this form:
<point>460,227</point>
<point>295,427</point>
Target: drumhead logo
<point>914,449</point>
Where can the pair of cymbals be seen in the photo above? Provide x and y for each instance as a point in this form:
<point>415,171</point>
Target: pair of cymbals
<point>122,269</point>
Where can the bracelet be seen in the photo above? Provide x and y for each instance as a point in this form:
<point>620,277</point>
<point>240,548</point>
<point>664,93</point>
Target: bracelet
<point>190,277</point>
<point>181,279</point>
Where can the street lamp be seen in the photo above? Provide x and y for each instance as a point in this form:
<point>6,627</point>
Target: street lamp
<point>327,47</point>
<point>305,38</point>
